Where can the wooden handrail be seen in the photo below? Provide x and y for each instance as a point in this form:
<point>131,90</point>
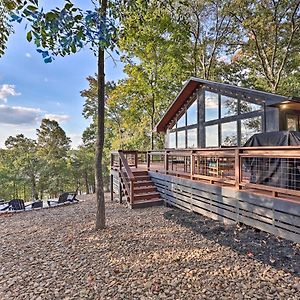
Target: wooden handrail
<point>126,166</point>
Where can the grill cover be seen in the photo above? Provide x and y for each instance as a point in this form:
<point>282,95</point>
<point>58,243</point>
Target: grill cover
<point>277,172</point>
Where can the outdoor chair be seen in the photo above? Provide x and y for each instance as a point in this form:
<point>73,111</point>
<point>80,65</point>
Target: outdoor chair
<point>15,204</point>
<point>64,198</point>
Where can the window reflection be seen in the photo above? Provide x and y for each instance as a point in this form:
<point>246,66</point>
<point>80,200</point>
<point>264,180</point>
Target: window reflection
<point>181,121</point>
<point>229,133</point>
<point>246,107</point>
<point>211,136</point>
<point>181,139</point>
<point>172,140</point>
<point>229,106</point>
<point>249,127</point>
<point>192,138</point>
<point>211,106</point>
<point>191,114</point>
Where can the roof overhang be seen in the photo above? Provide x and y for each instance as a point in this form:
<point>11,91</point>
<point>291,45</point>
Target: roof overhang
<point>193,83</point>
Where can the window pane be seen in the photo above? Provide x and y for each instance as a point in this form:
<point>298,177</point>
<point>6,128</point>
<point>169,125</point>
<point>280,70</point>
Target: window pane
<point>211,106</point>
<point>191,114</point>
<point>247,107</point>
<point>192,138</point>
<point>181,139</point>
<point>181,122</point>
<point>229,133</point>
<point>211,136</point>
<point>292,122</point>
<point>249,127</point>
<point>172,140</point>
<point>229,106</point>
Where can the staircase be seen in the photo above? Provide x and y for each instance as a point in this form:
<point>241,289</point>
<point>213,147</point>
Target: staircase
<point>144,190</point>
<point>136,184</point>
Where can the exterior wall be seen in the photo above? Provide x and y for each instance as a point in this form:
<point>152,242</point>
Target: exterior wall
<point>272,215</point>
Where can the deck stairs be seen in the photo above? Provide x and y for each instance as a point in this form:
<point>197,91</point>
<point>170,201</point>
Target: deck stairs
<point>144,191</point>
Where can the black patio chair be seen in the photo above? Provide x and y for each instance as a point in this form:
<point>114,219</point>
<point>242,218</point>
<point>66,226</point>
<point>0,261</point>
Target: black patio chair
<point>15,204</point>
<point>65,197</point>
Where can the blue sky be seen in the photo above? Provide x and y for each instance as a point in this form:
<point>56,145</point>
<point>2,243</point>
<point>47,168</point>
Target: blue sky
<point>31,89</point>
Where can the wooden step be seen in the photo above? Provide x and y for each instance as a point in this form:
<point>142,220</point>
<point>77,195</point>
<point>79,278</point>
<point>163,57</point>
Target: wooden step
<point>142,178</point>
<point>143,183</point>
<point>139,173</point>
<point>147,203</point>
<point>146,196</point>
<point>143,190</point>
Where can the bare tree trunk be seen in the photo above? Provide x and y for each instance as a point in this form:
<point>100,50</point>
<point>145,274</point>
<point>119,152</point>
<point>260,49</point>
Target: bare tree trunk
<point>86,182</point>
<point>100,215</point>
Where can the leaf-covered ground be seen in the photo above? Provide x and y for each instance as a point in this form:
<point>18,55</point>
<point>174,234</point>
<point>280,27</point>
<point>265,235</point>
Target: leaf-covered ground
<point>153,253</point>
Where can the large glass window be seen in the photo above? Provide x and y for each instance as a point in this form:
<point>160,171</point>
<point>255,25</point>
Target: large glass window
<point>181,121</point>
<point>229,106</point>
<point>229,133</point>
<point>192,138</point>
<point>212,136</point>
<point>211,106</point>
<point>191,114</point>
<point>172,140</point>
<point>181,139</point>
<point>246,107</point>
<point>249,127</point>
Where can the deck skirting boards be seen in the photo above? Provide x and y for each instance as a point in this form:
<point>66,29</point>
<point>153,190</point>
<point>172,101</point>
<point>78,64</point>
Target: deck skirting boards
<point>274,215</point>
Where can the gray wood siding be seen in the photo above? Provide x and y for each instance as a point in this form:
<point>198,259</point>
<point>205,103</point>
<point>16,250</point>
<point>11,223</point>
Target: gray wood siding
<point>276,216</point>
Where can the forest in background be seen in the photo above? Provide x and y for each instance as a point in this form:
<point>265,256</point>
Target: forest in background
<point>161,44</point>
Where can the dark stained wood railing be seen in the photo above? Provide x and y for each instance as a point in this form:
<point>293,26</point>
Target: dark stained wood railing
<point>239,168</point>
<point>123,160</point>
<point>236,167</point>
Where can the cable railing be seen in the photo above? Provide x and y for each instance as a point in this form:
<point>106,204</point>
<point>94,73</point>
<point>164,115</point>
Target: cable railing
<point>274,170</point>
<point>268,170</point>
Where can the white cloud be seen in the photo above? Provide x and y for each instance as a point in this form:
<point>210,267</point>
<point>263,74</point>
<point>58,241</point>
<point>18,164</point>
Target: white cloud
<point>13,130</point>
<point>56,117</point>
<point>28,55</point>
<point>7,90</point>
<point>76,140</point>
<point>18,115</point>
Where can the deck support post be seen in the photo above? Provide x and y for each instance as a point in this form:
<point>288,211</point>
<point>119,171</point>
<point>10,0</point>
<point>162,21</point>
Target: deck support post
<point>237,169</point>
<point>166,162</point>
<point>111,187</point>
<point>120,191</point>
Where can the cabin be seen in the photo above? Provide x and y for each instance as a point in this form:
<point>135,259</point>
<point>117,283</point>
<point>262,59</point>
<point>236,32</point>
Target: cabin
<point>208,167</point>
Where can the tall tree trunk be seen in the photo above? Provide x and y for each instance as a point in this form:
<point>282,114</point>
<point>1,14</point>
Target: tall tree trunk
<point>100,215</point>
<point>86,182</point>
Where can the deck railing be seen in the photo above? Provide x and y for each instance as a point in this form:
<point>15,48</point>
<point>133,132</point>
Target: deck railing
<point>274,170</point>
<point>268,170</point>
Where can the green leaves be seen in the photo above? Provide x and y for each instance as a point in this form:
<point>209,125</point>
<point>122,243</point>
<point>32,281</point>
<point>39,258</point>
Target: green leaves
<point>29,36</point>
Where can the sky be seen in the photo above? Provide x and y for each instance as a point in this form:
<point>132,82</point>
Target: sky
<point>31,90</point>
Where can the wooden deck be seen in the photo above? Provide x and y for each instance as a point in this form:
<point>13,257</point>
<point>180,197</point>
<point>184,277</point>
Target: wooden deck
<point>217,184</point>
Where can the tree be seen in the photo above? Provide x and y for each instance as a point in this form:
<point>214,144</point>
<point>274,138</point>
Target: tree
<point>26,161</point>
<point>53,146</point>
<point>158,45</point>
<point>270,47</point>
<point>65,31</point>
<point>211,29</point>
